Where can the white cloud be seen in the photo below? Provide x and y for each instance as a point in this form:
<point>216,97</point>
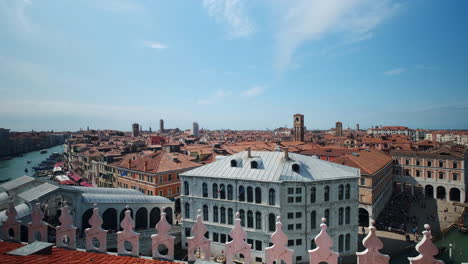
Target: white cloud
<point>232,13</point>
<point>396,71</point>
<point>154,45</point>
<point>254,91</point>
<point>215,98</point>
<point>312,20</point>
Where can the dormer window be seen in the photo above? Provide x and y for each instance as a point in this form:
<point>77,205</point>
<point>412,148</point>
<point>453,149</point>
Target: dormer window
<point>254,165</point>
<point>296,168</point>
<point>233,163</point>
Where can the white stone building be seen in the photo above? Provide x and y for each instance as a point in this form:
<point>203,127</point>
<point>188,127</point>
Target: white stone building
<point>262,185</point>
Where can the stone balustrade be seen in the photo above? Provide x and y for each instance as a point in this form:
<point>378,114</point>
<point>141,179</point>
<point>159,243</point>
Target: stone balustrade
<point>128,240</point>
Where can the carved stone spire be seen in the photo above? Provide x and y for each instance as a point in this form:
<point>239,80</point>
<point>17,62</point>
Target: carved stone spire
<point>96,232</point>
<point>128,236</point>
<point>66,232</point>
<point>323,252</point>
<point>238,244</point>
<point>427,250</point>
<point>37,226</point>
<point>372,244</point>
<point>11,224</point>
<point>279,250</point>
<point>199,240</point>
<point>163,238</point>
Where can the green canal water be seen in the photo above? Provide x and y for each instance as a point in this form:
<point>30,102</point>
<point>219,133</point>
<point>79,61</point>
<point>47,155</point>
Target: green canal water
<point>14,168</point>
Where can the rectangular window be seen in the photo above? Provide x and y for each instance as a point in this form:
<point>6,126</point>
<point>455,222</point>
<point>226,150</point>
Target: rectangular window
<point>441,175</point>
<point>298,199</point>
<point>259,260</point>
<point>187,232</point>
<point>429,163</point>
<point>455,176</point>
<point>215,237</point>
<point>250,242</point>
<point>455,165</point>
<point>418,173</point>
<point>298,242</point>
<point>298,226</point>
<point>298,258</point>
<point>290,190</point>
<point>363,181</point>
<point>441,164</point>
<point>223,238</point>
<point>169,177</point>
<point>258,245</point>
<point>298,214</point>
<point>407,162</point>
<point>161,193</point>
<point>160,178</point>
<point>290,227</point>
<point>429,174</point>
<point>418,162</point>
<point>290,215</point>
<point>290,243</point>
<point>299,190</point>
<point>290,199</point>
<point>177,189</point>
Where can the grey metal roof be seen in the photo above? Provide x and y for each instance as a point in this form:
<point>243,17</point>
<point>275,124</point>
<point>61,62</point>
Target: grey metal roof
<point>16,183</point>
<point>38,191</point>
<point>22,209</point>
<point>123,199</point>
<point>101,190</point>
<point>274,168</point>
<point>4,197</point>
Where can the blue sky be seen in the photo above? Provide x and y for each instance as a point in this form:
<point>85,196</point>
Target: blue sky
<point>237,64</point>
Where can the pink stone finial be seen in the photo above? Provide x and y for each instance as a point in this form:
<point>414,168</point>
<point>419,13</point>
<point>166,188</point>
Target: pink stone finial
<point>427,250</point>
<point>96,232</point>
<point>199,240</point>
<point>278,218</point>
<point>323,252</point>
<point>66,232</point>
<point>238,244</point>
<point>163,238</point>
<point>324,220</point>
<point>11,223</point>
<point>279,249</point>
<point>37,226</point>
<point>128,235</point>
<point>373,244</point>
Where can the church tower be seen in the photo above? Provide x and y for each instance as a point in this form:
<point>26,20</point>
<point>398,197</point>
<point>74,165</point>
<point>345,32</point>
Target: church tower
<point>299,127</point>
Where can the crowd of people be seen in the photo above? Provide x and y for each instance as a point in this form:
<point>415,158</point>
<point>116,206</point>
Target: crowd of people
<point>396,218</point>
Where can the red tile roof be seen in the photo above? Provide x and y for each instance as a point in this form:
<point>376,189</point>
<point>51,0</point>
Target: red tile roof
<point>61,256</point>
<point>368,161</point>
<point>157,162</point>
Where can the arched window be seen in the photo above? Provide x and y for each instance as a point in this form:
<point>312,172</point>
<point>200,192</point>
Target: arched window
<point>340,243</point>
<point>253,164</point>
<point>340,192</point>
<point>312,195</point>
<point>313,220</point>
<point>326,194</point>
<point>215,214</point>
<point>215,191</point>
<point>271,197</point>
<point>222,191</point>
<point>230,216</point>
<point>250,220</point>
<point>187,210</point>
<point>223,215</point>
<point>250,194</point>
<point>205,189</point>
<point>296,168</point>
<point>327,216</point>
<point>271,223</point>
<point>186,188</point>
<point>242,217</point>
<point>230,192</point>
<point>258,220</point>
<point>258,195</point>
<point>241,193</point>
<point>347,242</point>
<point>340,216</point>
<point>348,190</point>
<point>233,163</point>
<point>347,215</point>
<point>205,212</point>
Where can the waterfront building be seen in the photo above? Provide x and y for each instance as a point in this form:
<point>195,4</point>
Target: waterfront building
<point>299,128</point>
<point>439,173</point>
<point>262,185</point>
<point>339,129</point>
<point>135,130</point>
<point>375,183</point>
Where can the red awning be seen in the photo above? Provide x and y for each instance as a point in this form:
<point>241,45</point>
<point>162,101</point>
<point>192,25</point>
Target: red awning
<point>59,164</point>
<point>85,184</point>
<point>74,177</point>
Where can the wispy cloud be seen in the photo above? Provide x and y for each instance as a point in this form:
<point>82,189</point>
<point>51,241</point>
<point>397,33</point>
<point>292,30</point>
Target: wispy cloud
<point>396,71</point>
<point>154,45</point>
<point>216,97</point>
<point>13,13</point>
<point>233,14</point>
<point>312,20</point>
<point>254,91</point>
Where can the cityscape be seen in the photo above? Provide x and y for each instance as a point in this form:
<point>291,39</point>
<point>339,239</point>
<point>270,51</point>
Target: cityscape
<point>256,133</point>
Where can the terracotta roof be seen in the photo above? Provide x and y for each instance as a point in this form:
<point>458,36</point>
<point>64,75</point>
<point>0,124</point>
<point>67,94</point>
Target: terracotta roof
<point>157,162</point>
<point>69,256</point>
<point>368,161</point>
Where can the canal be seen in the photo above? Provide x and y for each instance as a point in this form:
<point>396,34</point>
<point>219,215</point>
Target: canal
<point>14,168</point>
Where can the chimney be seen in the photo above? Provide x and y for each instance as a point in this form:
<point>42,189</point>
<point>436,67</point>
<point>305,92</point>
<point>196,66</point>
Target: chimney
<point>129,163</point>
<point>286,153</point>
<point>145,169</point>
<point>248,153</point>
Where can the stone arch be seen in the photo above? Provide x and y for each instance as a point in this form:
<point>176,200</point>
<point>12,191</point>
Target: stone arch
<point>141,218</point>
<point>441,193</point>
<point>455,194</point>
<point>155,216</point>
<point>363,217</point>
<point>429,191</point>
<point>85,219</point>
<point>169,214</point>
<point>109,218</point>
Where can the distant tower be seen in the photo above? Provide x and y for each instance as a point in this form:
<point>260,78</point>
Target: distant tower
<point>87,128</point>
<point>135,130</point>
<point>299,127</point>
<point>357,127</point>
<point>339,129</point>
<point>161,126</point>
<point>195,129</point>
<point>150,130</point>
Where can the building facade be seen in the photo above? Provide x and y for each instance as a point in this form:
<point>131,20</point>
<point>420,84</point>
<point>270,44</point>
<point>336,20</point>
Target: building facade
<point>299,129</point>
<point>263,185</point>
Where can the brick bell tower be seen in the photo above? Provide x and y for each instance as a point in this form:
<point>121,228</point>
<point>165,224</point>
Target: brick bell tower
<point>298,127</point>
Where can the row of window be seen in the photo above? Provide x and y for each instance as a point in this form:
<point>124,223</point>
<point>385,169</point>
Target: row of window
<point>429,163</point>
<point>148,178</point>
<point>254,220</point>
<point>429,174</point>
<point>344,192</point>
<point>148,192</point>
